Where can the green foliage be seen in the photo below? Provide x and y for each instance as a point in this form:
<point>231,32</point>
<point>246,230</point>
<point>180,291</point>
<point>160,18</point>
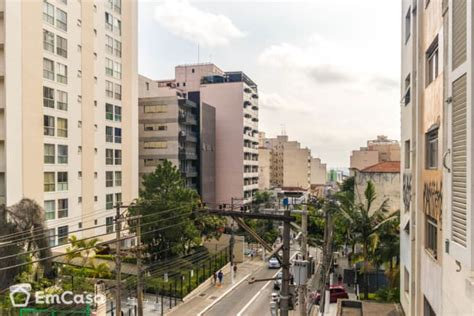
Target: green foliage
<point>388,295</point>
<point>267,229</point>
<point>261,197</point>
<point>170,227</point>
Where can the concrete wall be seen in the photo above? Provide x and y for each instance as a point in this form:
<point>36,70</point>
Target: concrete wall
<point>318,171</point>
<point>264,155</point>
<point>361,159</point>
<point>387,186</point>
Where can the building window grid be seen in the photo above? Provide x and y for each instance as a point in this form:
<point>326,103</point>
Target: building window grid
<point>63,232</point>
<point>109,156</point>
<point>109,201</point>
<point>118,178</point>
<point>50,209</point>
<point>49,154</point>
<point>61,74</point>
<point>431,139</point>
<point>62,100</point>
<point>48,97</point>
<point>431,235</point>
<point>109,221</point>
<point>48,13</point>
<point>63,206</point>
<point>118,157</point>
<point>49,183</point>
<point>48,41</point>
<point>61,19</point>
<point>48,69</point>
<point>48,123</point>
<point>62,127</point>
<point>62,154</point>
<point>109,134</point>
<point>118,135</point>
<point>61,46</point>
<point>62,177</point>
<point>109,179</point>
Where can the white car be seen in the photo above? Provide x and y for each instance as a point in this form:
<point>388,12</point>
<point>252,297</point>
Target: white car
<point>273,263</point>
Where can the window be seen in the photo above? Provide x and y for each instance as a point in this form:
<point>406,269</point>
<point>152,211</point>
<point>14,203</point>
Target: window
<point>406,280</point>
<point>109,179</point>
<point>432,149</point>
<point>118,178</point>
<point>407,154</point>
<point>48,97</point>
<point>408,25</point>
<point>109,134</point>
<point>109,112</point>
<point>156,145</point>
<point>109,222</point>
<point>109,67</point>
<point>49,183</point>
<point>109,89</point>
<point>109,21</point>
<point>118,157</point>
<point>61,46</point>
<point>155,127</point>
<point>50,209</point>
<point>63,232</point>
<point>407,96</point>
<point>118,114</point>
<point>118,48</point>
<point>62,154</point>
<point>61,19</point>
<point>63,208</point>
<point>48,41</point>
<point>117,27</point>
<point>118,198</point>
<point>62,181</point>
<point>109,201</point>
<point>61,102</point>
<point>61,74</point>
<point>152,162</point>
<point>109,44</point>
<point>117,70</point>
<point>431,235</point>
<point>118,92</point>
<point>48,13</point>
<point>109,156</point>
<point>427,309</point>
<point>48,123</point>
<point>432,62</point>
<point>154,108</point>
<point>51,236</point>
<point>48,69</point>
<point>118,6</point>
<point>49,155</point>
<point>118,135</point>
<point>62,127</point>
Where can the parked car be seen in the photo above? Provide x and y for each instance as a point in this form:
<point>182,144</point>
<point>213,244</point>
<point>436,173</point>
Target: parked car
<point>277,282</point>
<point>273,263</point>
<point>335,292</point>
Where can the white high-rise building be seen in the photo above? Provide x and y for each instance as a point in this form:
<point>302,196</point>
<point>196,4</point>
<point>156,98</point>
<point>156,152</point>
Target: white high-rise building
<point>68,113</point>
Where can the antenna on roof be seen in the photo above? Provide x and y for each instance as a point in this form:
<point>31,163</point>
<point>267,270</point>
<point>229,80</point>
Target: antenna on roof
<point>283,130</point>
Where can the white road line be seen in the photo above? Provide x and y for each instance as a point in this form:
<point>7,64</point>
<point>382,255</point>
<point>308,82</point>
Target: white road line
<point>223,295</point>
<point>259,292</point>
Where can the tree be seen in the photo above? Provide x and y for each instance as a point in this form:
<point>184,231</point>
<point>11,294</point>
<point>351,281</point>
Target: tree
<point>169,225</point>
<point>367,221</point>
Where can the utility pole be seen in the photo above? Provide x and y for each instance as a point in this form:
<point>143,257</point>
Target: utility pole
<point>139,266</point>
<point>327,261</point>
<point>285,284</point>
<point>231,244</point>
<point>304,245</point>
<point>118,262</point>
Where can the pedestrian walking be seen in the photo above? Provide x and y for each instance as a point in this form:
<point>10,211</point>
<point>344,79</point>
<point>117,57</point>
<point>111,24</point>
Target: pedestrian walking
<point>235,270</point>
<point>251,254</point>
<point>220,276</point>
<point>214,276</point>
<point>339,279</point>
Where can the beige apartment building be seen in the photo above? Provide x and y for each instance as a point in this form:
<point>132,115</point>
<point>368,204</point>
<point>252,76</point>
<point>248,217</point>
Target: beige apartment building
<point>290,165</point>
<point>68,114</point>
<point>377,150</point>
<point>235,99</point>
<point>318,172</point>
<point>436,224</point>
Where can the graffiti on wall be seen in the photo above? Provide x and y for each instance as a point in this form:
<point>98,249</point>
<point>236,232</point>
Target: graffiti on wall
<point>433,198</point>
<point>406,191</point>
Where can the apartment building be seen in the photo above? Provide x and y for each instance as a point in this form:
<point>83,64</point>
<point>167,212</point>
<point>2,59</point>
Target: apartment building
<point>235,99</point>
<point>290,165</point>
<point>68,115</point>
<point>436,238</point>
<point>377,150</point>
<point>318,172</point>
<point>264,158</point>
<point>177,129</point>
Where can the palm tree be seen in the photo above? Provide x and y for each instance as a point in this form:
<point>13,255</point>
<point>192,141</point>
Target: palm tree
<point>366,219</point>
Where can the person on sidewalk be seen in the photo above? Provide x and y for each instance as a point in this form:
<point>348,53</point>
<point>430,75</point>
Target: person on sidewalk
<point>220,276</point>
<point>235,269</point>
<point>214,276</point>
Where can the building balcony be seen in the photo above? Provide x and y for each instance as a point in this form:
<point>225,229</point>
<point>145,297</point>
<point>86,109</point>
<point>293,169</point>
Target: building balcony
<point>255,96</point>
<point>247,104</point>
<point>187,103</point>
<point>189,172</point>
<point>187,155</point>
<point>255,107</point>
<point>250,175</point>
<point>186,119</point>
<point>247,90</point>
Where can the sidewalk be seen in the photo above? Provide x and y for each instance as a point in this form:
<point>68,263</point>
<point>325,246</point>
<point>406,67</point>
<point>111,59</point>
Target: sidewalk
<point>203,298</point>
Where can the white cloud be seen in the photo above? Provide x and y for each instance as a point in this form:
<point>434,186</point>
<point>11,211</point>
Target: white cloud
<point>184,20</point>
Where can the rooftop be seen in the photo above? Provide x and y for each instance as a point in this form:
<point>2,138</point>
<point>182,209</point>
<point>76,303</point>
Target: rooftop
<point>386,166</point>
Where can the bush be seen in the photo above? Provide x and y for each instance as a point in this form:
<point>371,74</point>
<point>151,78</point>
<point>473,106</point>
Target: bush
<point>389,295</point>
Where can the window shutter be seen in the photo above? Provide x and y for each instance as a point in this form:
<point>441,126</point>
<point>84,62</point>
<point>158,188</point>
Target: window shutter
<point>459,166</point>
<point>459,32</point>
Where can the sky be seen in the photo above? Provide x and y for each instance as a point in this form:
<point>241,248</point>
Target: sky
<point>327,70</point>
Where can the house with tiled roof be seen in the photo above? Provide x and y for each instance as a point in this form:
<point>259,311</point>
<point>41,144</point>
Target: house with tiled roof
<point>386,178</point>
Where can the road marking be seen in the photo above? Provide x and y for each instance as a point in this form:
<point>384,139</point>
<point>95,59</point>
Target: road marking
<point>223,295</point>
<point>259,292</point>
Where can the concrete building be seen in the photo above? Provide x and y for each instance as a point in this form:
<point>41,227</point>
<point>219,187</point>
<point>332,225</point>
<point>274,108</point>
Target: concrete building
<point>68,114</point>
<point>386,179</point>
<point>235,97</point>
<point>377,150</point>
<point>436,238</point>
<point>174,128</point>
<point>290,165</point>
<point>318,172</point>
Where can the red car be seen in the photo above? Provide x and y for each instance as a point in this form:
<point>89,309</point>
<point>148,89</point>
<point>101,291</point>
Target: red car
<point>336,292</point>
